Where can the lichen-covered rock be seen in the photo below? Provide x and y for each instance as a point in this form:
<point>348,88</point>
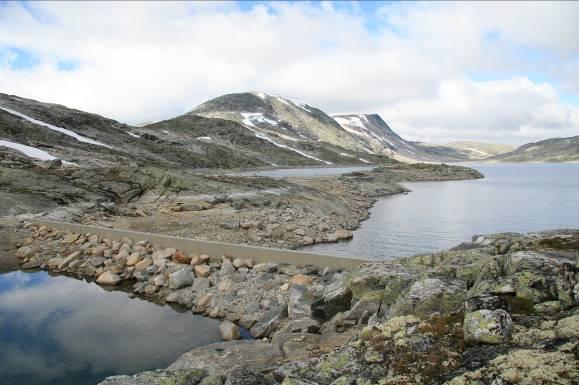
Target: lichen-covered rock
<point>568,327</point>
<point>524,367</point>
<point>487,327</point>
<point>431,295</point>
<point>403,346</point>
<point>159,377</point>
<point>247,377</point>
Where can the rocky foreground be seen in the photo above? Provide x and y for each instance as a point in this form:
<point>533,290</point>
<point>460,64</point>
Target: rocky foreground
<point>502,309</point>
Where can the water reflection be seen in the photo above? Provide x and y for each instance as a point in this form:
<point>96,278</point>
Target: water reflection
<point>58,330</point>
<point>440,215</point>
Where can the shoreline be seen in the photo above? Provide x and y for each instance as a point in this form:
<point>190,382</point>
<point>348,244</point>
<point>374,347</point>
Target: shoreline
<point>343,316</point>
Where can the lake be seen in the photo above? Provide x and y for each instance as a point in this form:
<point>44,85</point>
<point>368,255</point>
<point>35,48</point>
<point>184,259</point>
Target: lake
<point>64,331</point>
<point>441,215</point>
<point>307,171</point>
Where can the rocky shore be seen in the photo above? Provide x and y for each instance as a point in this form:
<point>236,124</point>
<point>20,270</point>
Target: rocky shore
<point>502,309</point>
<point>290,212</point>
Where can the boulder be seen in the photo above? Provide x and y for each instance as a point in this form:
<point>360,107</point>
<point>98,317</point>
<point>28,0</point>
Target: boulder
<point>181,278</point>
<point>25,252</point>
<point>70,238</point>
<point>108,278</point>
<point>487,327</point>
<point>337,298</point>
<point>300,280</point>
<point>229,331</point>
<point>141,265</point>
<point>300,302</point>
<point>31,264</point>
<point>238,263</point>
<point>133,259</point>
<point>67,260</point>
<point>180,257</point>
<point>201,283</point>
<point>202,271</point>
<point>159,280</point>
<point>568,327</point>
<point>267,323</point>
<point>254,355</point>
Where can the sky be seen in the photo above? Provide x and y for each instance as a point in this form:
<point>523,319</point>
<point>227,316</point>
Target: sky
<point>436,72</point>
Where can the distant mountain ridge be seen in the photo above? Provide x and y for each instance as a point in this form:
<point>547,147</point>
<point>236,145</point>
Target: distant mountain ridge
<point>480,150</point>
<point>250,129</point>
<point>549,150</point>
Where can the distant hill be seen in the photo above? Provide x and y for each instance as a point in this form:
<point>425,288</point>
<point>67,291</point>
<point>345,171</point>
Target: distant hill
<point>480,150</point>
<point>549,150</point>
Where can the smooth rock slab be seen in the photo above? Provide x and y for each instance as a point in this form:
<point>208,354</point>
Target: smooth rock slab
<point>221,357</point>
<point>108,278</point>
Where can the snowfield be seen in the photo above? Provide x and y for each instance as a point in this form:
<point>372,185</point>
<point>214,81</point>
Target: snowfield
<point>64,131</point>
<point>249,118</point>
<point>31,152</point>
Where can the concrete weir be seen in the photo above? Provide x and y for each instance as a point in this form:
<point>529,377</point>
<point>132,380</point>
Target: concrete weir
<point>193,246</point>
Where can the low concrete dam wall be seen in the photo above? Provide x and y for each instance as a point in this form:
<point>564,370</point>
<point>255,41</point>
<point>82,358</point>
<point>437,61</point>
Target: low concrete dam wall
<point>192,246</point>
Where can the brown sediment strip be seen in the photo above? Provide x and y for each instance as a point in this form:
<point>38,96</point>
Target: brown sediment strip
<point>193,246</point>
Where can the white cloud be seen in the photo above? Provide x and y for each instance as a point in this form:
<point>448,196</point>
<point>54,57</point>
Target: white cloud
<point>416,65</point>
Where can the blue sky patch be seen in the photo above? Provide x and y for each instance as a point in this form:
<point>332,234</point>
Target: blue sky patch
<point>67,65</point>
<point>18,59</point>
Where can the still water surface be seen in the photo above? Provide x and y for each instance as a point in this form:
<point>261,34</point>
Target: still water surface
<point>440,215</point>
<point>308,171</point>
<point>61,331</point>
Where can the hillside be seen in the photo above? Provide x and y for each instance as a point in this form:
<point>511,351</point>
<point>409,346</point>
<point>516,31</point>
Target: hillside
<point>373,132</point>
<point>480,150</point>
<point>549,150</point>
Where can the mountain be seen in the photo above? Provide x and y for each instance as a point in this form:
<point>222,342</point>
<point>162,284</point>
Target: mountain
<point>480,150</point>
<point>46,131</point>
<point>550,150</point>
<point>372,132</point>
<point>294,123</point>
<point>290,124</point>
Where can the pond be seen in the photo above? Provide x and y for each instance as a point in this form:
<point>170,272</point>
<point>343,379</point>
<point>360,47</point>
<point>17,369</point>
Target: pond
<point>61,331</point>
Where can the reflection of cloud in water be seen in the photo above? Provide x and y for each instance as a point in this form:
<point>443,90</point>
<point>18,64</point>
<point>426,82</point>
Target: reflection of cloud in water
<point>65,325</point>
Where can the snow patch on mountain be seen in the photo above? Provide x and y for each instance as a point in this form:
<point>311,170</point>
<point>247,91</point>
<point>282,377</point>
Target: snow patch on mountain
<point>64,131</point>
<point>249,118</point>
<point>265,137</point>
<point>31,152</point>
